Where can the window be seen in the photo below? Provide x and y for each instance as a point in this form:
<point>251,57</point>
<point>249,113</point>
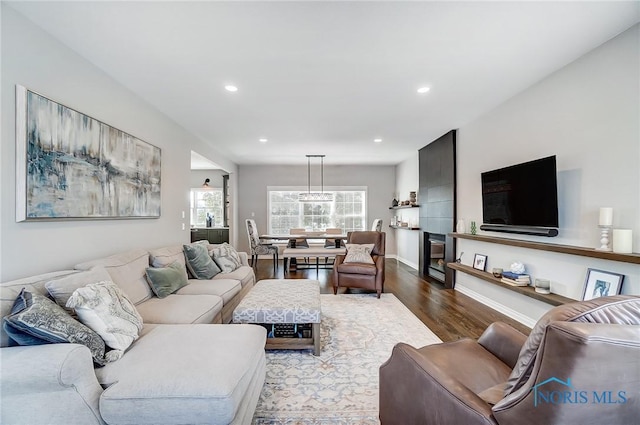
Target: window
<point>346,211</point>
<point>205,201</point>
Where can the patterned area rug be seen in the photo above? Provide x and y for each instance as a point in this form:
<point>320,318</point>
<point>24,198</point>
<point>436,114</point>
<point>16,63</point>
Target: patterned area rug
<point>340,386</point>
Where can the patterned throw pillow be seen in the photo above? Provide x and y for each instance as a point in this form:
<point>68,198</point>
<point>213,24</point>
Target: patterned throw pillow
<point>359,253</point>
<point>106,309</point>
<point>36,320</point>
<point>226,257</point>
<point>167,280</point>
<point>199,263</point>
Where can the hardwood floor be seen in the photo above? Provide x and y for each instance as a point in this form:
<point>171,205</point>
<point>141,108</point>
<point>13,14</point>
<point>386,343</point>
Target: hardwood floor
<point>448,313</point>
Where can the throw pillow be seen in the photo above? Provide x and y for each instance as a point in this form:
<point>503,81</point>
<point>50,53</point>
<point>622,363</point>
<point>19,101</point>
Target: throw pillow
<point>166,280</point>
<point>35,319</point>
<point>61,289</point>
<point>106,309</point>
<point>199,263</point>
<point>359,253</point>
<point>226,257</point>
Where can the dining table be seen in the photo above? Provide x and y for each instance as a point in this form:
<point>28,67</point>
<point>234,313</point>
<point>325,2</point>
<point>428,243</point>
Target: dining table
<point>313,235</point>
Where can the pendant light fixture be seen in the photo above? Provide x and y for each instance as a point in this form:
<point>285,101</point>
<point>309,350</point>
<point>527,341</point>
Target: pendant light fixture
<point>310,196</point>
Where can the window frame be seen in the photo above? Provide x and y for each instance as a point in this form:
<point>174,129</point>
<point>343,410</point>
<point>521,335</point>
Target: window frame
<point>218,211</point>
<point>331,222</point>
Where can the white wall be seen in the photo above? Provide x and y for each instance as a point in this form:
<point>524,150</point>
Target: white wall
<point>407,241</point>
<point>30,57</point>
<point>587,114</point>
<point>253,181</point>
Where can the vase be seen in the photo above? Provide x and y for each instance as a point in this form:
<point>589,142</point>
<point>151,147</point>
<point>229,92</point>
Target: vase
<point>460,227</point>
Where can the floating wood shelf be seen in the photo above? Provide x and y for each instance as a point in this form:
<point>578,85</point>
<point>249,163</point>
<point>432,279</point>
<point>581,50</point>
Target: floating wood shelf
<point>563,249</point>
<point>529,291</point>
<point>399,207</point>
<point>404,227</point>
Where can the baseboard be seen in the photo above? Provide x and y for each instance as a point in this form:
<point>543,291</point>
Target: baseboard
<point>404,261</point>
<point>515,315</point>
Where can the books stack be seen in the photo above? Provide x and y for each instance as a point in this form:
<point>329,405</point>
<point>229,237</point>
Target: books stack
<point>516,279</point>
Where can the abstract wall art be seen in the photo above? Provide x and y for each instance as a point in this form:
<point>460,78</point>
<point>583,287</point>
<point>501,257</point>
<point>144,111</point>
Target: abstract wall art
<point>72,166</point>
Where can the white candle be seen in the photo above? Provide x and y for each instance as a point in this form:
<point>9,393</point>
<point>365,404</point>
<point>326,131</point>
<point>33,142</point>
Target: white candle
<point>622,241</point>
<point>606,216</point>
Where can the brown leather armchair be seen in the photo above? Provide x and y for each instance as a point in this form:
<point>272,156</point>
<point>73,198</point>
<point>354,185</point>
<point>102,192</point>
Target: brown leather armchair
<point>361,275</point>
<point>579,365</point>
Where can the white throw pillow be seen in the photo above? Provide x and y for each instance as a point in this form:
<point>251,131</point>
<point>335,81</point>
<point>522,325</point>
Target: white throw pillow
<point>104,308</point>
<point>61,289</point>
<point>359,253</point>
<point>226,257</point>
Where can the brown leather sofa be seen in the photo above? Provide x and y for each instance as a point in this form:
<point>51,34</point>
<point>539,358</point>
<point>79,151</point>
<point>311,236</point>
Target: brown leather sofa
<point>361,275</point>
<point>579,365</point>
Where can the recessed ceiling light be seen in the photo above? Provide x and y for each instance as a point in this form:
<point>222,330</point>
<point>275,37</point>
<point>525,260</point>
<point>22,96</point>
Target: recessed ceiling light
<point>423,90</point>
<point>377,140</point>
<point>263,140</point>
<point>230,87</point>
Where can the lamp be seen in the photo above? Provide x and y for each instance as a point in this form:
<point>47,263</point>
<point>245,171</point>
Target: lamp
<point>205,185</point>
<point>310,196</point>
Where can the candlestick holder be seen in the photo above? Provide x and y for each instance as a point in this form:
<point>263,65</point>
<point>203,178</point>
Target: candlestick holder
<point>604,238</point>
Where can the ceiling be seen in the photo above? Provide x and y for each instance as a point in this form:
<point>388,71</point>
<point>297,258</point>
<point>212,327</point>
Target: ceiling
<point>328,77</point>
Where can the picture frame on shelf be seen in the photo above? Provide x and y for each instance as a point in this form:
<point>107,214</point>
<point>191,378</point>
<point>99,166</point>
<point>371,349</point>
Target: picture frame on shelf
<point>480,262</point>
<point>601,283</point>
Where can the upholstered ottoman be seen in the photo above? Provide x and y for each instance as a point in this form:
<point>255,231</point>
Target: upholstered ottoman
<point>288,308</point>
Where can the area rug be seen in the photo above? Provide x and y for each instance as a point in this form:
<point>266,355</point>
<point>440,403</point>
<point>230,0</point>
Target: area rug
<point>340,386</point>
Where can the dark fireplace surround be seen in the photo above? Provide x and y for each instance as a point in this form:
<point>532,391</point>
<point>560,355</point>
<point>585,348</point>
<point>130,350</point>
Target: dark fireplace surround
<point>437,198</point>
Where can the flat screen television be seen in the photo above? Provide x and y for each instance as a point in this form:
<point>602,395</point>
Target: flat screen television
<point>521,196</point>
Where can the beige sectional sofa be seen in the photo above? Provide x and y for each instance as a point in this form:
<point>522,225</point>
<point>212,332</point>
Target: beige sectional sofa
<point>187,366</point>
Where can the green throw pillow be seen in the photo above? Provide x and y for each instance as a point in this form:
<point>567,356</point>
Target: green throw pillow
<point>199,263</point>
<point>166,280</point>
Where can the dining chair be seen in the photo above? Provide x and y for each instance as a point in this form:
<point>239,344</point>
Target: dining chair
<point>298,243</point>
<point>332,243</point>
<point>259,248</point>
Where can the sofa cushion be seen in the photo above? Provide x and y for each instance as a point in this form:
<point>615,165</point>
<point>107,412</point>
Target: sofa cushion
<point>224,288</point>
<point>127,270</point>
<point>244,274</point>
<point>62,288</point>
<point>162,257</point>
<point>181,309</point>
<point>191,374</point>
<point>199,262</point>
<point>10,290</point>
<point>359,253</point>
<point>226,257</point>
<point>167,280</point>
<point>106,309</point>
<point>36,320</point>
<point>357,268</point>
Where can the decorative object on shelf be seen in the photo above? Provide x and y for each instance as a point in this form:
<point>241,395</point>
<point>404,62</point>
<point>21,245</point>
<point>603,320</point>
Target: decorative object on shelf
<point>412,198</point>
<point>394,203</point>
<point>480,262</point>
<point>623,241</point>
<point>473,229</point>
<point>543,286</point>
<point>459,259</point>
<point>516,279</point>
<point>497,272</point>
<point>600,283</point>
<point>605,222</point>
<point>310,196</point>
<point>72,166</point>
<point>460,227</point>
<point>517,268</point>
<point>209,220</point>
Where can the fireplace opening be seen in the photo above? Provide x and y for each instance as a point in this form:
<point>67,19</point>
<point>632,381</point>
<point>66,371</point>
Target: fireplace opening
<point>434,255</point>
